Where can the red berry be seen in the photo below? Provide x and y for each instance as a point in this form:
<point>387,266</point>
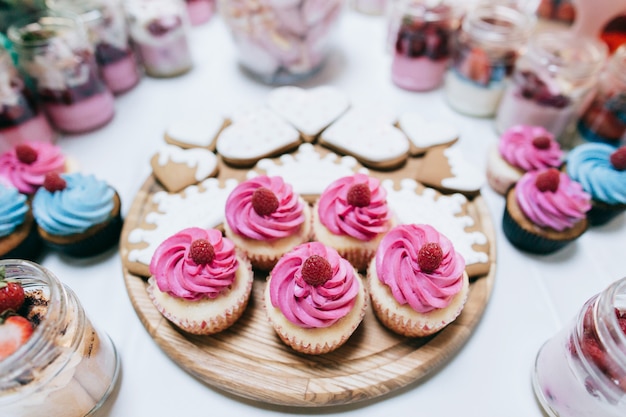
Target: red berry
<point>14,332</point>
<point>202,252</point>
<point>618,159</point>
<point>316,270</point>
<point>11,296</point>
<point>548,180</point>
<point>264,201</point>
<point>25,154</point>
<point>542,142</point>
<point>429,257</point>
<point>359,195</point>
<point>54,182</point>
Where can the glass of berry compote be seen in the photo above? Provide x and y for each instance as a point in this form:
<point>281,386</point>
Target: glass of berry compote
<point>21,118</point>
<point>421,33</point>
<point>106,25</point>
<point>582,370</point>
<point>200,11</point>
<point>54,51</point>
<point>159,30</point>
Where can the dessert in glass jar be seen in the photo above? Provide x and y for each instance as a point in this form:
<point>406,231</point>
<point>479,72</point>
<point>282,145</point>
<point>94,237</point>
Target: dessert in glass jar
<point>373,7</point>
<point>200,11</point>
<point>159,30</point>
<point>53,49</point>
<point>282,42</point>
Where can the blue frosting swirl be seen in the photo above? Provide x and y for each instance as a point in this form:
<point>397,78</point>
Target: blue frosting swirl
<point>13,209</point>
<point>85,202</point>
<point>590,165</point>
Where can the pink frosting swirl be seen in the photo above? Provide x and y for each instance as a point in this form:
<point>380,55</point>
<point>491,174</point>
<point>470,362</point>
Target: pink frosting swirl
<point>179,276</point>
<point>397,266</point>
<point>342,218</point>
<point>28,177</point>
<point>517,148</point>
<point>559,210</point>
<point>311,306</point>
<point>245,221</point>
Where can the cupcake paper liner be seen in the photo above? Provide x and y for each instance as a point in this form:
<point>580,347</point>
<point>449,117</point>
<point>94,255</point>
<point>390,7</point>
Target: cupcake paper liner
<point>602,213</point>
<point>530,242</point>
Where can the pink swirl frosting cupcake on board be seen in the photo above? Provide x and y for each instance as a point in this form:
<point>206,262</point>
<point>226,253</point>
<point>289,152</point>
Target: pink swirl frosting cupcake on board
<point>265,218</point>
<point>352,216</point>
<point>545,211</point>
<point>199,282</point>
<point>26,165</point>
<point>521,148</point>
<point>314,299</point>
<point>418,283</point>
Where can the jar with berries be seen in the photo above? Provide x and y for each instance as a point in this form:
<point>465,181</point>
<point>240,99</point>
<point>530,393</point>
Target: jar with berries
<point>421,32</point>
<point>552,82</point>
<point>53,361</point>
<point>581,371</point>
<point>485,49</point>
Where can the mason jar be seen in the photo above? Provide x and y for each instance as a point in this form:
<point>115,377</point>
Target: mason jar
<point>581,371</point>
<point>371,7</point>
<point>200,11</point>
<point>67,368</point>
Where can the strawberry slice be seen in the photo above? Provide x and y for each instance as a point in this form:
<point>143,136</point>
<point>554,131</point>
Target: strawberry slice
<point>11,294</point>
<point>14,332</point>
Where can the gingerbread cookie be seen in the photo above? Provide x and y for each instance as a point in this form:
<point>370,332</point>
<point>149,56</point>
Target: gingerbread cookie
<point>176,168</point>
<point>424,134</point>
<point>195,131</point>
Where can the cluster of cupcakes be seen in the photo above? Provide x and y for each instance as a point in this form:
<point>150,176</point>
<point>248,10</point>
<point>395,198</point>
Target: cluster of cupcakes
<point>45,203</point>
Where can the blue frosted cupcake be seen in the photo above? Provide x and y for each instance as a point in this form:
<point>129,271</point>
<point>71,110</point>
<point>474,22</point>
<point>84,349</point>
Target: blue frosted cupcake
<point>78,215</point>
<point>18,234</point>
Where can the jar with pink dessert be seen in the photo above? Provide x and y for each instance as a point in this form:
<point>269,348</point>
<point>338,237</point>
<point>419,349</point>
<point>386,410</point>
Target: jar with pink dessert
<point>371,7</point>
<point>200,11</point>
<point>421,47</point>
<point>107,30</point>
<point>581,371</point>
<point>551,84</point>
<point>21,118</point>
<point>282,42</point>
<point>159,30</point>
<point>54,51</point>
<point>485,49</point>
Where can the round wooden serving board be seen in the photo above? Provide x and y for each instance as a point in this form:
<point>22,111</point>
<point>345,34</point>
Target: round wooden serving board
<point>250,361</point>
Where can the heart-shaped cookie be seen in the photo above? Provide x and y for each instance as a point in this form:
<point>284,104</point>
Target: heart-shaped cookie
<point>176,168</point>
<point>309,111</point>
<point>423,134</point>
<point>195,131</point>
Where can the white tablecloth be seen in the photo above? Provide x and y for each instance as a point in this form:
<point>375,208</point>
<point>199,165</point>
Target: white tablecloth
<point>532,298</point>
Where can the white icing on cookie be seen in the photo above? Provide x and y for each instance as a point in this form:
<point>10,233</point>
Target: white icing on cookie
<point>203,160</point>
<point>309,111</point>
<point>193,207</point>
<point>196,130</point>
<point>307,171</point>
<point>426,133</point>
<point>443,212</point>
<point>466,177</point>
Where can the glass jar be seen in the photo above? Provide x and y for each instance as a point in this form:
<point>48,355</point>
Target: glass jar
<point>107,30</point>
<point>581,371</point>
<point>53,49</point>
<point>21,118</point>
<point>282,42</point>
<point>159,30</point>
<point>372,7</point>
<point>562,11</point>
<point>421,43</point>
<point>67,368</point>
<point>485,50</point>
<point>200,11</point>
<point>551,83</point>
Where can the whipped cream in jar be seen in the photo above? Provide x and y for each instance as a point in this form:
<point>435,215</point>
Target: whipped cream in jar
<point>66,368</point>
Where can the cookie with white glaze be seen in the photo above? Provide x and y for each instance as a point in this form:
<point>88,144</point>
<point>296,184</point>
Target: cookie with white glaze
<point>195,131</point>
<point>176,168</point>
<point>423,134</point>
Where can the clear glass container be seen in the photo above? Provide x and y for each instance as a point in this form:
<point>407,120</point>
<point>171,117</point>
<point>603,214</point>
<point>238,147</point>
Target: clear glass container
<point>282,42</point>
<point>561,11</point>
<point>67,368</point>
<point>490,39</point>
<point>200,11</point>
<point>55,52</point>
<point>21,118</point>
<point>108,32</point>
<point>581,371</point>
<point>159,30</point>
<point>552,83</point>
<point>371,7</point>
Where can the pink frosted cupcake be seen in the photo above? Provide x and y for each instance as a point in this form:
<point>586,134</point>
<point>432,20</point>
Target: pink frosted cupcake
<point>417,281</point>
<point>314,299</point>
<point>352,216</point>
<point>199,282</point>
<point>265,218</point>
<point>520,149</point>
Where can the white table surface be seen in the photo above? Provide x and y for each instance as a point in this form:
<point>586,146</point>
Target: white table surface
<point>532,298</point>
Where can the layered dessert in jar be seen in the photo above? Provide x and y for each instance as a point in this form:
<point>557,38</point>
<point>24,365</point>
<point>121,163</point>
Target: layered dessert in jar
<point>200,11</point>
<point>373,7</point>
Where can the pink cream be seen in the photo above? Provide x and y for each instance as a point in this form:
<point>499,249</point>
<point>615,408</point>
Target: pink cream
<point>36,129</point>
<point>200,11</point>
<point>122,75</point>
<point>82,116</point>
<point>405,71</point>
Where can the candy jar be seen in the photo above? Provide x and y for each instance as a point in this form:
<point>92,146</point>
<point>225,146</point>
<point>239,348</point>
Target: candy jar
<point>106,26</point>
<point>65,366</point>
<point>159,29</point>
<point>421,47</point>
<point>282,42</point>
<point>485,50</point>
<point>581,371</point>
<point>604,120</point>
<point>53,49</point>
<point>551,83</point>
<point>21,118</point>
<point>372,7</point>
<point>200,11</point>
